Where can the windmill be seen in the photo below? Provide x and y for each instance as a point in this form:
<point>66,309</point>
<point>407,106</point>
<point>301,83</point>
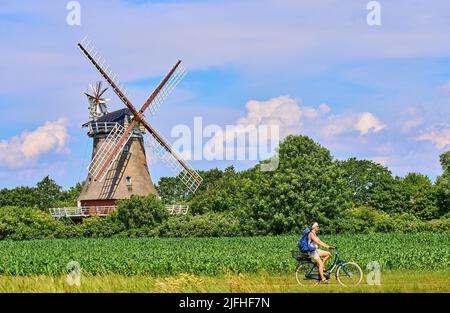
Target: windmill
<point>115,132</point>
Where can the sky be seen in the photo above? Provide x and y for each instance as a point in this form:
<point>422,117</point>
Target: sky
<point>316,68</point>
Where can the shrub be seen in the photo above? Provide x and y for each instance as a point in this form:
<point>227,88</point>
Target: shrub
<point>26,223</point>
<point>102,226</point>
<point>362,219</point>
<point>140,211</point>
<point>206,225</point>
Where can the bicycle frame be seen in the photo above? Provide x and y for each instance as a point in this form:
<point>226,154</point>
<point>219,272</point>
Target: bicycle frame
<point>336,262</point>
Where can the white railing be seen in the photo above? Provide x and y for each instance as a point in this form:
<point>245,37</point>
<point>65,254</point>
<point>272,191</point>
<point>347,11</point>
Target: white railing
<point>105,210</point>
<point>82,211</point>
<point>177,209</point>
<point>104,127</point>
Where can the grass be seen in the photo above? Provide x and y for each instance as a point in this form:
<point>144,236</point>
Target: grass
<point>393,281</point>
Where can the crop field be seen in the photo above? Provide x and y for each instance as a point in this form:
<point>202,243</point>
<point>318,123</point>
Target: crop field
<point>158,257</point>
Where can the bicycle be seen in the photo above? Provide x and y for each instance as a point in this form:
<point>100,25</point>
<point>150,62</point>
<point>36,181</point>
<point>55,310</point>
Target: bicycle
<point>307,271</point>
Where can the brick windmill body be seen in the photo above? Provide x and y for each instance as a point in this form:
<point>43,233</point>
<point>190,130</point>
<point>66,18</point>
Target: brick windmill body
<point>128,174</point>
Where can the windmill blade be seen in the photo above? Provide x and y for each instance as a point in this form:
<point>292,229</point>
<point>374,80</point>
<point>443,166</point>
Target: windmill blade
<point>108,152</point>
<point>87,47</point>
<point>164,88</point>
<point>121,137</point>
<point>114,150</point>
<point>191,179</point>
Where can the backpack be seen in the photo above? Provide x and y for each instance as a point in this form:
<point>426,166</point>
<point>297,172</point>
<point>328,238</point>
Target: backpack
<point>303,245</point>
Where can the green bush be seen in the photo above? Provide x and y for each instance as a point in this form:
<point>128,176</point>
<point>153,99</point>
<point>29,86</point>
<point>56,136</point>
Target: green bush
<point>362,220</point>
<point>26,223</point>
<point>369,220</point>
<point>138,212</point>
<point>206,225</point>
<point>102,227</point>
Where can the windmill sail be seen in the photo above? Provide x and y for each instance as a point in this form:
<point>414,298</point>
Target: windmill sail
<point>190,178</point>
<point>165,87</point>
<point>117,137</point>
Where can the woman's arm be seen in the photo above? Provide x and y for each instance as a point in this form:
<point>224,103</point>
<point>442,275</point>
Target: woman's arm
<point>318,241</point>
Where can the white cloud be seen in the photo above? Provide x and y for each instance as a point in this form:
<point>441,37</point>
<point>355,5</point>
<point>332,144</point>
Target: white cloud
<point>20,150</point>
<point>412,123</point>
<point>367,122</point>
<point>438,135</point>
<point>382,160</point>
<point>286,114</point>
<point>282,111</point>
<point>362,122</point>
<point>324,108</point>
<point>281,115</point>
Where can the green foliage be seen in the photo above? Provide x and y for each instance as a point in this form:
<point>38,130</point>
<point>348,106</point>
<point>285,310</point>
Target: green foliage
<point>141,211</point>
<point>20,197</point>
<point>102,227</point>
<point>172,190</point>
<point>26,223</point>
<point>48,193</point>
<point>419,196</point>
<point>362,220</point>
<point>212,256</point>
<point>306,186</point>
<point>206,225</point>
<point>443,185</point>
<point>69,198</point>
<point>370,220</point>
<point>355,196</point>
<point>372,184</point>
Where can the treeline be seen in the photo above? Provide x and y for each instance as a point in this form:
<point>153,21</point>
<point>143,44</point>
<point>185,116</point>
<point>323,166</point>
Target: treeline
<point>356,196</point>
<point>46,194</point>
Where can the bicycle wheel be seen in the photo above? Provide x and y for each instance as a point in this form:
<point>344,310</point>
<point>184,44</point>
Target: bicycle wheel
<point>349,274</point>
<point>307,276</point>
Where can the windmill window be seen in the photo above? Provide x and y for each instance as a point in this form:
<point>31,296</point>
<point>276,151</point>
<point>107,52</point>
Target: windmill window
<point>128,180</point>
<point>126,148</point>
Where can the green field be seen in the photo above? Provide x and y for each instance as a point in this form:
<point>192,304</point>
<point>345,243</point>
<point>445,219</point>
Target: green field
<point>418,262</point>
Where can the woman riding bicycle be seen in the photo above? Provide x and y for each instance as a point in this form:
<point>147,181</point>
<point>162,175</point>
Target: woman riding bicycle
<point>317,254</point>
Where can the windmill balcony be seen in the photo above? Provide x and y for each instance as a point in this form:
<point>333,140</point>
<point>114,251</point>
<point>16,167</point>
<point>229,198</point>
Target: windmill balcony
<point>100,127</point>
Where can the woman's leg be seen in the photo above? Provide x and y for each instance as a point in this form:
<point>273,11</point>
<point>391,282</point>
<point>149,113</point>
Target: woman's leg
<point>319,265</point>
<point>325,255</point>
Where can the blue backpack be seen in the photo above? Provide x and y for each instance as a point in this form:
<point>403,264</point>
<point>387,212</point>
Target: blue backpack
<point>303,245</point>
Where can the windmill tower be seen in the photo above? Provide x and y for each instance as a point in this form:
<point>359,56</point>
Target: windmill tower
<point>128,174</point>
<point>118,168</point>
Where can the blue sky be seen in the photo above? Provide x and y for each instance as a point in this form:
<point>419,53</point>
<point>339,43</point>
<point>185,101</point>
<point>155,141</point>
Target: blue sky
<point>384,90</point>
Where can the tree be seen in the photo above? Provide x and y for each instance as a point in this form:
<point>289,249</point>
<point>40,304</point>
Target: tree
<point>443,185</point>
<point>19,197</point>
<point>70,197</point>
<point>372,184</point>
<point>173,190</point>
<point>306,186</point>
<point>48,192</point>
<point>419,196</point>
<point>141,211</point>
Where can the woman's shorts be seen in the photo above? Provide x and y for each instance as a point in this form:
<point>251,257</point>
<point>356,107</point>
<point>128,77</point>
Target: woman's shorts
<point>314,254</point>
